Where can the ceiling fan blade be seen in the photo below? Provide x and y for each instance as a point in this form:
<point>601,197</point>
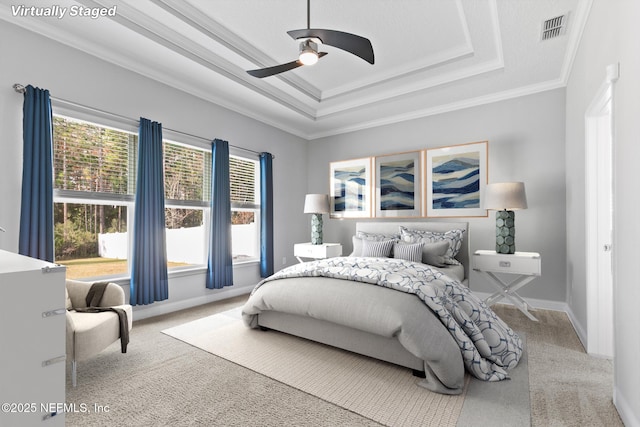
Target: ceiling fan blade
<point>277,69</point>
<point>352,43</point>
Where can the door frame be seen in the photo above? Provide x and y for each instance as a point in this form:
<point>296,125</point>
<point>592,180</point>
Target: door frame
<point>599,119</point>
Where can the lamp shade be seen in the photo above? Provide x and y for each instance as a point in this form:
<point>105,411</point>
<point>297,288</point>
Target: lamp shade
<point>316,203</point>
<point>505,195</point>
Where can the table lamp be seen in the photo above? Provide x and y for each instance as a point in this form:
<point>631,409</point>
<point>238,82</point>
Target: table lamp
<point>504,198</point>
<point>316,204</point>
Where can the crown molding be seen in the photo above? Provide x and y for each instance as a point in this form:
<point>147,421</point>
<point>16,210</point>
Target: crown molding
<point>142,24</point>
<point>579,20</point>
<point>445,108</point>
<point>211,28</point>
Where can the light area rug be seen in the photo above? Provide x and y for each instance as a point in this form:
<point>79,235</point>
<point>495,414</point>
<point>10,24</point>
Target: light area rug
<point>380,391</point>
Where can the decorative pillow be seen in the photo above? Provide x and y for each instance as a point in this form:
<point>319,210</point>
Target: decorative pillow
<point>408,251</point>
<point>453,237</point>
<point>357,246</point>
<point>380,249</point>
<point>376,237</point>
<point>435,253</point>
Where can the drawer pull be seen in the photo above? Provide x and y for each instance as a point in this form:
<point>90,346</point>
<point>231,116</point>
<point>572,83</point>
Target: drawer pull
<point>54,312</point>
<point>53,269</point>
<point>54,361</point>
<point>505,264</point>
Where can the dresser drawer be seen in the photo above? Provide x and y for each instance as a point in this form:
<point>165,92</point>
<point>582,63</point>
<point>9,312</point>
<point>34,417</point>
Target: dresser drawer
<point>528,263</point>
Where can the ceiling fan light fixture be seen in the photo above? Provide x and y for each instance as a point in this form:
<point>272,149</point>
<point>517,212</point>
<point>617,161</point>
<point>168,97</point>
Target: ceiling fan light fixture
<point>308,52</point>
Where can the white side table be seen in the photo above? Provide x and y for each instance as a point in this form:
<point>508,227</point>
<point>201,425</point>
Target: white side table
<point>321,251</point>
<point>525,265</point>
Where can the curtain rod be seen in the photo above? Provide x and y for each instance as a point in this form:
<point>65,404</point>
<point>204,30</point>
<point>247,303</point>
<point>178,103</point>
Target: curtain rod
<point>22,89</point>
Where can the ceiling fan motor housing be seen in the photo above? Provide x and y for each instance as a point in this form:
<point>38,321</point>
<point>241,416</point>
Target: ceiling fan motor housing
<point>308,45</point>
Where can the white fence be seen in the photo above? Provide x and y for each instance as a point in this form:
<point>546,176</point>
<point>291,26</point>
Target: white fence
<point>186,245</point>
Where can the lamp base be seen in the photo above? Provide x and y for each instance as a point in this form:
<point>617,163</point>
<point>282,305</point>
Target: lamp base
<point>505,232</point>
<point>316,229</point>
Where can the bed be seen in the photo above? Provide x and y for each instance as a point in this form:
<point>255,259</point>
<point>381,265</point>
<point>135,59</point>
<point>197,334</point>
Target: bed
<point>418,316</point>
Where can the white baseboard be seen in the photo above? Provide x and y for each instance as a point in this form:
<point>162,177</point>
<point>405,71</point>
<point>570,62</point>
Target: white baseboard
<point>582,334</point>
<point>625,410</point>
<point>159,308</point>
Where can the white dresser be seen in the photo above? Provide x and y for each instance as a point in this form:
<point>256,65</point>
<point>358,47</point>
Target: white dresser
<point>32,332</point>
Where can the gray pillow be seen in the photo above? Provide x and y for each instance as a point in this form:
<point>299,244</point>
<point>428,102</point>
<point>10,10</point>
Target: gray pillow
<point>435,253</point>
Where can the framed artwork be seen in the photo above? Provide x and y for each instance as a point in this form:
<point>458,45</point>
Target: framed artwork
<point>455,180</point>
<point>399,185</point>
<point>350,188</point>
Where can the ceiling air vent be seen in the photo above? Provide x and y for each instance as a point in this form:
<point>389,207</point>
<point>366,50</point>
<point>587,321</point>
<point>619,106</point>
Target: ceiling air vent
<point>554,27</point>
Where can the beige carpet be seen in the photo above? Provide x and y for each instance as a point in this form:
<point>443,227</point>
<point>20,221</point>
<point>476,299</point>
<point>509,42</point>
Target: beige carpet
<point>376,390</point>
<point>162,381</point>
<point>568,387</point>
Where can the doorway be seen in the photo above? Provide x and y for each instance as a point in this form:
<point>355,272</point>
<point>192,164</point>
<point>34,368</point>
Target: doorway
<point>599,139</point>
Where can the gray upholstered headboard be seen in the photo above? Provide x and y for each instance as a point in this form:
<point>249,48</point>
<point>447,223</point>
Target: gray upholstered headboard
<point>394,227</point>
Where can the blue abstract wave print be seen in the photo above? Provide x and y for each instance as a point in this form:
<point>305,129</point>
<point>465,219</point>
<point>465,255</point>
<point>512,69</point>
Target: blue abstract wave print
<point>456,181</point>
<point>350,185</point>
<point>397,185</point>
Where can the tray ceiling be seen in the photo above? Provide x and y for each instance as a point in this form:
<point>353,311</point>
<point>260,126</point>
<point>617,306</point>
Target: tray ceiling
<point>431,56</point>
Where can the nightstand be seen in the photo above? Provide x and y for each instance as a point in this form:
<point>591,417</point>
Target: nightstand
<point>526,266</point>
<point>321,251</point>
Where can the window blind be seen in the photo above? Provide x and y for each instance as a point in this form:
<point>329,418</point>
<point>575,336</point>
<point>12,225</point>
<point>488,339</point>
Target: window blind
<point>243,181</point>
<point>187,173</point>
<point>92,158</point>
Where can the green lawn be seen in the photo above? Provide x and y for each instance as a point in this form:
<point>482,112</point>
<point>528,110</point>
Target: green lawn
<point>93,267</point>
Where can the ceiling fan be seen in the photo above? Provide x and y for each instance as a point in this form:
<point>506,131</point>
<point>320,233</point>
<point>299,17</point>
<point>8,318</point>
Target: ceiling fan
<point>309,54</point>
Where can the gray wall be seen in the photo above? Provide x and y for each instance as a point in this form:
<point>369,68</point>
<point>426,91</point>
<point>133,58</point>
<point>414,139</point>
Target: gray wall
<point>75,76</point>
<point>526,143</point>
<point>611,36</point>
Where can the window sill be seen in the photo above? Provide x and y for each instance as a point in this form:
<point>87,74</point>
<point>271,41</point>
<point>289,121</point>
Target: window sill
<point>248,263</point>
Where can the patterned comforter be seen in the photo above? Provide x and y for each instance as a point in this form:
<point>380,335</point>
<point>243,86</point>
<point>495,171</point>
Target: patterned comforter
<point>488,346</point>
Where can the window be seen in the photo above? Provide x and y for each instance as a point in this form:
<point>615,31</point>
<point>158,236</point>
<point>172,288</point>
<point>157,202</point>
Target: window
<point>187,183</point>
<point>94,194</point>
<point>94,170</point>
<point>245,208</point>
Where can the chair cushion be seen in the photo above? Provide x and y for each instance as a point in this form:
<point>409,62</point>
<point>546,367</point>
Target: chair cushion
<point>93,332</point>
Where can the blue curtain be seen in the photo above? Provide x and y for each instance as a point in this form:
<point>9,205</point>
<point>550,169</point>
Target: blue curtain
<point>266,218</point>
<point>149,281</point>
<point>36,208</point>
<point>220,263</point>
